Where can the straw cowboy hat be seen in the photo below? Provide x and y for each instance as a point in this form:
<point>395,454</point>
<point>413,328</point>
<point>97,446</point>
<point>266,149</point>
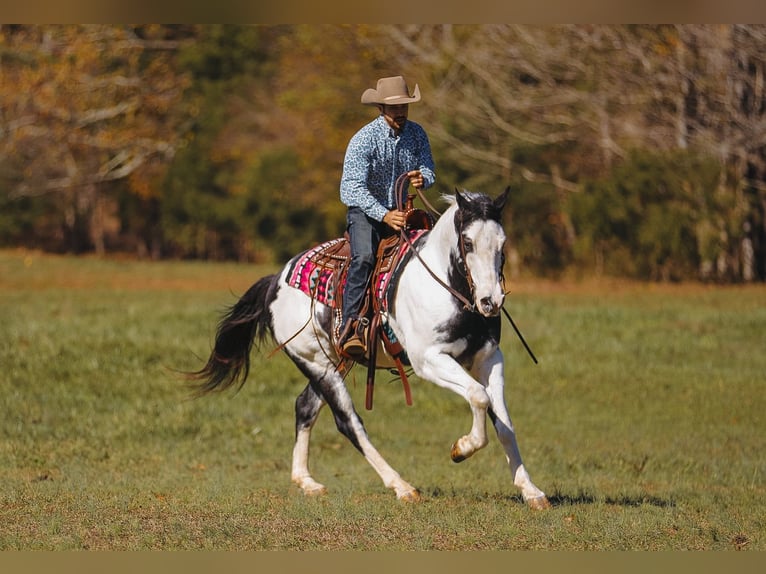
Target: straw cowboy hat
<point>391,92</point>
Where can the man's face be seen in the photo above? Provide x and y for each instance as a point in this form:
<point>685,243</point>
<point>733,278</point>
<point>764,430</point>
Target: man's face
<point>396,116</point>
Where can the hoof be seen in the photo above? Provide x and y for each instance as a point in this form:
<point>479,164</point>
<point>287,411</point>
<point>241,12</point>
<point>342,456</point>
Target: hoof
<point>316,491</point>
<point>410,496</point>
<point>539,503</point>
<point>310,487</point>
<point>456,455</point>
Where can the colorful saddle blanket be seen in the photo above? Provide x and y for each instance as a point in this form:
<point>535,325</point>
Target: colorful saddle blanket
<point>320,271</point>
<point>315,271</point>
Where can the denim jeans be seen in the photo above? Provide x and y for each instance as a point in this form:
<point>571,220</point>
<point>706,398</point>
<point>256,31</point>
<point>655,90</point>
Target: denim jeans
<point>365,234</point>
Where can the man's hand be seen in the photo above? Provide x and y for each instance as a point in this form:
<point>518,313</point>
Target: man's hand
<point>394,219</point>
<point>416,178</point>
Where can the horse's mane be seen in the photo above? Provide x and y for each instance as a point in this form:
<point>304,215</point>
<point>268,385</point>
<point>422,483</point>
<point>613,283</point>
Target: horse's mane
<point>481,204</point>
<point>450,199</point>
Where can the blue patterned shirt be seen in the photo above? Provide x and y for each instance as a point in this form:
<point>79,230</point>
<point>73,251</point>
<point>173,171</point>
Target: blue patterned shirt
<point>375,157</point>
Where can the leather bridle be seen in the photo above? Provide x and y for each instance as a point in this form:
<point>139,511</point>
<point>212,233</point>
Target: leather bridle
<point>400,186</point>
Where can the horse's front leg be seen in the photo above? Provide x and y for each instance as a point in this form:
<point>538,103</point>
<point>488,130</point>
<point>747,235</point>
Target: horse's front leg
<point>441,369</point>
<point>491,373</point>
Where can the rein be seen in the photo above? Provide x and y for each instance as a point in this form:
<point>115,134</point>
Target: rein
<point>402,182</point>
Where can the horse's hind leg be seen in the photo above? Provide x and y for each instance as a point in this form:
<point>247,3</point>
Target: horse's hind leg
<point>332,391</point>
<point>307,407</point>
<point>348,422</point>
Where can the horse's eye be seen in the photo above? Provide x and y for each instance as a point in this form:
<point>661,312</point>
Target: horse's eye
<point>467,244</point>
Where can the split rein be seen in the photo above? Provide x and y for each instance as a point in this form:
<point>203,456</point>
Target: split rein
<point>400,187</point>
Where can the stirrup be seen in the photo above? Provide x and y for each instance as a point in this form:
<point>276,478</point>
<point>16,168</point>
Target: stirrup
<point>352,342</point>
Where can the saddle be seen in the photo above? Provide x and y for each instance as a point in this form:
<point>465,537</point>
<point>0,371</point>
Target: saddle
<point>321,273</point>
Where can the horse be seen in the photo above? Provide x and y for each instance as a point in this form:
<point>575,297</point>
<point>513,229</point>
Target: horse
<point>444,310</point>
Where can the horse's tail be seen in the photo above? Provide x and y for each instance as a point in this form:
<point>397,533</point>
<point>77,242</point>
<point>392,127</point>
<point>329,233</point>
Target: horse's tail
<point>244,322</point>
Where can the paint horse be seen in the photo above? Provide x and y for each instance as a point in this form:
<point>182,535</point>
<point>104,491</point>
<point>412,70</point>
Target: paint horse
<point>444,310</point>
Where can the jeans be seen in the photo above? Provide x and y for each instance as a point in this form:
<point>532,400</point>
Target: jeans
<point>365,234</point>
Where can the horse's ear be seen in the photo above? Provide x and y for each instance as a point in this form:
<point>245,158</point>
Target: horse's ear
<point>502,198</point>
<point>462,201</point>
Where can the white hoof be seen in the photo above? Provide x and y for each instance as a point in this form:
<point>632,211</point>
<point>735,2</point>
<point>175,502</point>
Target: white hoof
<point>539,503</point>
<point>463,449</point>
<point>310,487</point>
<point>410,496</point>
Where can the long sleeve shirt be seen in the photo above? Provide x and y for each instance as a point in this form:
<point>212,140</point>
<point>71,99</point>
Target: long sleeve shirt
<point>376,157</point>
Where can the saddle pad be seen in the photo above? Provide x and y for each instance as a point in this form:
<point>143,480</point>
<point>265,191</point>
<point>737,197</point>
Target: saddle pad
<point>312,271</point>
<point>315,271</point>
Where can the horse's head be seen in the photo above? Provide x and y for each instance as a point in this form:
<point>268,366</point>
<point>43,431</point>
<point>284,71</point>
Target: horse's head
<point>481,238</point>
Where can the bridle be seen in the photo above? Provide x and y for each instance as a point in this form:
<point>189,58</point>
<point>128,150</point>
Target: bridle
<point>400,187</point>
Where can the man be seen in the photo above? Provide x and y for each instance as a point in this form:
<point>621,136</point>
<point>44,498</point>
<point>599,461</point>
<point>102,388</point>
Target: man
<point>377,154</point>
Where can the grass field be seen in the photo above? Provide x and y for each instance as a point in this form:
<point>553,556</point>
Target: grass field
<point>645,423</point>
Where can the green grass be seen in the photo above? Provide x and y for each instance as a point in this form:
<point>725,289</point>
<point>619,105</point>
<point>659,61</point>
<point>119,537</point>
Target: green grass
<point>645,423</point>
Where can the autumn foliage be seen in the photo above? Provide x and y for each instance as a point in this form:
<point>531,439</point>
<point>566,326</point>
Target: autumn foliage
<point>630,150</point>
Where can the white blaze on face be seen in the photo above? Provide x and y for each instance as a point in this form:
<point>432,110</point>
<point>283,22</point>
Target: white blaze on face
<point>484,256</point>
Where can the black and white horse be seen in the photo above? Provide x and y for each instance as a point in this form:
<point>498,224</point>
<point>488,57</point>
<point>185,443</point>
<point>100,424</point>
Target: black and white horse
<point>447,342</point>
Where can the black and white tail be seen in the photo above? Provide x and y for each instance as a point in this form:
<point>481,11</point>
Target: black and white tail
<point>247,320</point>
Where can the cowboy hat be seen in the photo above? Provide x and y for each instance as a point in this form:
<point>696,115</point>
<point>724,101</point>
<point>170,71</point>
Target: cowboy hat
<point>391,92</point>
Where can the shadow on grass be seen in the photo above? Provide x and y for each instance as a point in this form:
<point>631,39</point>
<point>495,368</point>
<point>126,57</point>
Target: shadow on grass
<point>633,501</point>
<point>641,500</point>
<point>557,499</point>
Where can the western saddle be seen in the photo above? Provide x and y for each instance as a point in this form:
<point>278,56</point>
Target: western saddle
<point>328,266</point>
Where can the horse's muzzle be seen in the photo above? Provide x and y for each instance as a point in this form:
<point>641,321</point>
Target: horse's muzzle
<point>489,307</point>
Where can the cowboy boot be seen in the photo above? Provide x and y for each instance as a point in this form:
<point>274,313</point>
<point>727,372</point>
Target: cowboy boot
<point>352,339</point>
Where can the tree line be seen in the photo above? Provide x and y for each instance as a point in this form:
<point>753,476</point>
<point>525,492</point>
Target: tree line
<point>635,151</point>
